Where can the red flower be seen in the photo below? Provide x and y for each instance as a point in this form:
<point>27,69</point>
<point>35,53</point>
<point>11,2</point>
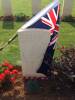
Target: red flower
<point>13,79</point>
<point>15,71</point>
<point>2,76</point>
<point>10,66</point>
<point>6,63</point>
<point>7,72</point>
<point>11,73</point>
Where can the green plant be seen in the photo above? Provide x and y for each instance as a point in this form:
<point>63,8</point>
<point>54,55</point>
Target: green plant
<point>20,17</point>
<point>68,19</point>
<point>8,18</point>
<point>8,75</point>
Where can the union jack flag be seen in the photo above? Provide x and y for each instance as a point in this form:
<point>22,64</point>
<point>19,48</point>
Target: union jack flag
<point>51,20</point>
<point>48,19</point>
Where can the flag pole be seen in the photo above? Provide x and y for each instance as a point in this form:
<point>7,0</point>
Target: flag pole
<point>8,42</point>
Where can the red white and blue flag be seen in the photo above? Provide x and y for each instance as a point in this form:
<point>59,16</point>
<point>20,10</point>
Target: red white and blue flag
<point>48,19</point>
<point>51,22</point>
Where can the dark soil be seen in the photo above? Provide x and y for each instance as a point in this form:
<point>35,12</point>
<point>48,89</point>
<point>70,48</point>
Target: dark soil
<point>19,93</point>
<point>60,87</point>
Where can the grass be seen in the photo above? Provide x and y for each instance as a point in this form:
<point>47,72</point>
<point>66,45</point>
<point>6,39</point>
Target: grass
<point>67,33</point>
<point>73,10</point>
<point>25,6</point>
<point>12,52</point>
<point>66,36</point>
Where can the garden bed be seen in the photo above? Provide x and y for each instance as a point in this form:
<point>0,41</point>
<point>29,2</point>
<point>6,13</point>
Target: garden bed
<point>19,18</point>
<point>60,87</point>
<point>18,92</point>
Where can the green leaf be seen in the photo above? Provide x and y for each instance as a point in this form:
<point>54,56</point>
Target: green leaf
<point>1,71</point>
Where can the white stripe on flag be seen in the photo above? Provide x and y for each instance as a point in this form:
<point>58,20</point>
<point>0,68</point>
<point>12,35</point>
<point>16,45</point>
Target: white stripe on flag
<point>39,15</point>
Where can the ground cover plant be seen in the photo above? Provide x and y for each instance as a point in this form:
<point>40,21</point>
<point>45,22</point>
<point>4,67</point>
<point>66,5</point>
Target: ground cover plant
<point>8,75</point>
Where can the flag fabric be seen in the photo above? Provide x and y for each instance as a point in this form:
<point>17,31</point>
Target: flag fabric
<point>51,20</point>
<point>48,19</point>
<point>35,21</point>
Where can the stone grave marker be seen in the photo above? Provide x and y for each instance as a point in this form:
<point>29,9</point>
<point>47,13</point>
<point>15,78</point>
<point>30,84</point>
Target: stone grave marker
<point>67,7</point>
<point>33,43</point>
<point>7,8</point>
<point>36,6</point>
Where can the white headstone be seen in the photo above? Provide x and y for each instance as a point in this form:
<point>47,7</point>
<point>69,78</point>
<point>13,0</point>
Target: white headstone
<point>6,7</point>
<point>36,6</point>
<point>67,7</point>
<point>33,43</point>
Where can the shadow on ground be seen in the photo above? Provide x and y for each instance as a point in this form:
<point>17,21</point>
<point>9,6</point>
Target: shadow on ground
<point>8,24</point>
